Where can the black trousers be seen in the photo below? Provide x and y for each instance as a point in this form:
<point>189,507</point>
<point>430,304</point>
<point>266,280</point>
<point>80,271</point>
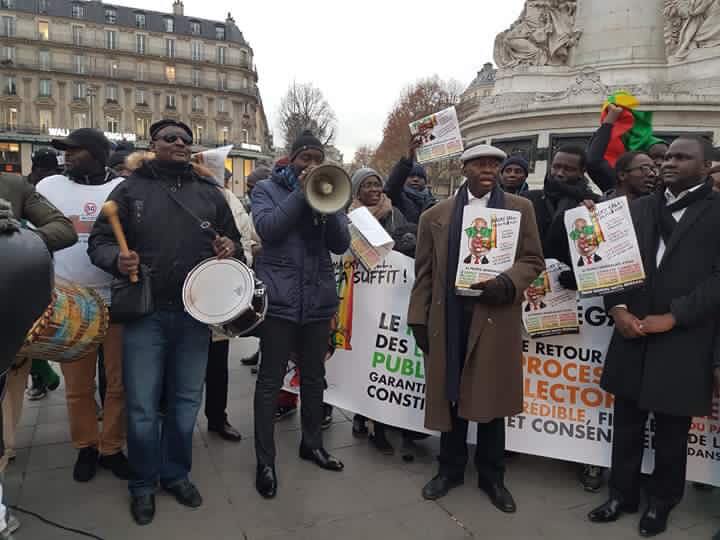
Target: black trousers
<point>489,452</point>
<point>278,339</point>
<point>667,483</point>
<point>216,383</point>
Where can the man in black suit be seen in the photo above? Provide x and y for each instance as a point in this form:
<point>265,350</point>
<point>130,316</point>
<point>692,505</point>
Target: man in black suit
<point>661,356</point>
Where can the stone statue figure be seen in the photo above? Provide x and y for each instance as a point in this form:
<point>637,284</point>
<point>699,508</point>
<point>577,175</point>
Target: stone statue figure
<point>691,24</point>
<point>542,36</point>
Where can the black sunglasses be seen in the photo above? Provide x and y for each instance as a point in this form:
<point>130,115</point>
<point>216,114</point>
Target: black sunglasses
<point>170,138</point>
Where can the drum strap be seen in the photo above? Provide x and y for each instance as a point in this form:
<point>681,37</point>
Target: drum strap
<point>204,225</point>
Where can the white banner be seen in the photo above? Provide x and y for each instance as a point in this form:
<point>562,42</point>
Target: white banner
<point>380,374</point>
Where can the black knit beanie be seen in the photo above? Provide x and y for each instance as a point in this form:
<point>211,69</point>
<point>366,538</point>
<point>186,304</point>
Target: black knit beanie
<point>306,141</point>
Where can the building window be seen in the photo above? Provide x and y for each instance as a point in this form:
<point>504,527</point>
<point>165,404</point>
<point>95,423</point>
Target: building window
<point>7,4</point>
<point>43,30</point>
<point>8,55</point>
<point>169,24</point>
<point>110,15</point>
<point>79,90</point>
<point>224,135</point>
<point>140,76</point>
<point>10,86</point>
<point>244,58</point>
<point>42,6</point>
<point>12,118</point>
<point>197,51</point>
<point>45,88</point>
<point>111,93</point>
<point>113,69</point>
<point>77,32</point>
<point>80,120</point>
<point>222,105</point>
<point>195,28</point>
<point>170,74</point>
<point>44,59</point>
<point>45,120</point>
<point>197,104</point>
<point>198,131</point>
<point>142,127</point>
<point>170,48</point>
<point>79,64</point>
<point>140,97</point>
<point>112,124</point>
<point>110,39</point>
<point>140,40</point>
<point>222,81</point>
<point>220,32</point>
<point>170,102</point>
<point>8,27</point>
<point>221,55</point>
<point>78,11</point>
<point>245,136</point>
<point>196,77</point>
<point>140,20</point>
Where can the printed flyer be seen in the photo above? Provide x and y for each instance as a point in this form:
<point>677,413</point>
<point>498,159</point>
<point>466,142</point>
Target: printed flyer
<point>487,247</point>
<point>604,249</point>
<point>549,309</point>
<point>440,134</point>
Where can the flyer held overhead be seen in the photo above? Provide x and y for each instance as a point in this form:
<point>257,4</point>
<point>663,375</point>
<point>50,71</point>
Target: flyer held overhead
<point>440,135</point>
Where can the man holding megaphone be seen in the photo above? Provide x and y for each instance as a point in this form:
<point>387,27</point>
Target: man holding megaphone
<point>299,226</point>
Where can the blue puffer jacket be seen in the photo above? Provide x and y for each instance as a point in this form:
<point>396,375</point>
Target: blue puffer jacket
<point>295,260</point>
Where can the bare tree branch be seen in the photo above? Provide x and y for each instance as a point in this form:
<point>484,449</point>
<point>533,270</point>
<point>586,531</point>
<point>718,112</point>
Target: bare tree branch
<point>305,107</point>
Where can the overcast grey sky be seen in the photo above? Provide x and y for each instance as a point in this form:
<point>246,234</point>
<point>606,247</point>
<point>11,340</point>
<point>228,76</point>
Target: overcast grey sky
<point>361,54</point>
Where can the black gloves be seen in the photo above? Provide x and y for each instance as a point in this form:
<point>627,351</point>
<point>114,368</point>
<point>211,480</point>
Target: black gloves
<point>496,292</point>
<point>422,338</point>
<point>8,223</point>
<point>567,280</point>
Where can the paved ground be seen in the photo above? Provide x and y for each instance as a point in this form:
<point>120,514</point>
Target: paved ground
<point>375,497</point>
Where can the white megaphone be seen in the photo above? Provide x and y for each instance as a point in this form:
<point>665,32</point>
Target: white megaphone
<point>328,189</point>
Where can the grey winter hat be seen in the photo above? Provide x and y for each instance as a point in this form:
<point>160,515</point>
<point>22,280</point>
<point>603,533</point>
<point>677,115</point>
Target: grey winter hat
<point>360,176</point>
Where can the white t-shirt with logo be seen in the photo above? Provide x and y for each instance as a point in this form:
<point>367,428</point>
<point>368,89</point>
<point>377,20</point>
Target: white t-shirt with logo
<point>82,205</point>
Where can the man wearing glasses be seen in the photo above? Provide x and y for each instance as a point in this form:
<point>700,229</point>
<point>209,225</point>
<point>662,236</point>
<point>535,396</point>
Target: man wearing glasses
<point>165,351</point>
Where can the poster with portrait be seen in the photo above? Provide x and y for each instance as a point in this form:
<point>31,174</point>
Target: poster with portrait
<point>604,248</point>
<point>549,309</point>
<point>440,133</point>
<point>488,245</point>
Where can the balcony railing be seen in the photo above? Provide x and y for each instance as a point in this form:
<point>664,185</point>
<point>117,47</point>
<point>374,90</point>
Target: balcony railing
<point>149,77</point>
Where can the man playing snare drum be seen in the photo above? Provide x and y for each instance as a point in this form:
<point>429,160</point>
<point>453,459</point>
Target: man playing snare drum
<point>174,217</point>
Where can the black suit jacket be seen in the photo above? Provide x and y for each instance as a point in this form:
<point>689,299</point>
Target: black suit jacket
<point>672,372</point>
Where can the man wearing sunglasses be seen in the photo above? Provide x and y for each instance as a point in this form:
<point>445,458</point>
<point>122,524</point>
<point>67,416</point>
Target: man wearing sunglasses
<point>164,208</point>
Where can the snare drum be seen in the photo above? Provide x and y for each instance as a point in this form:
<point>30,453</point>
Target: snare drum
<point>74,324</point>
<point>226,295</point>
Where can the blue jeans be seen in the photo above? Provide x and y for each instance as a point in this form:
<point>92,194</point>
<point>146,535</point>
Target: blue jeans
<point>165,352</point>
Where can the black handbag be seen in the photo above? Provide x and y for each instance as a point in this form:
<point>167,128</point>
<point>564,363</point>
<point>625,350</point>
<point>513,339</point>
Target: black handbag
<point>131,301</point>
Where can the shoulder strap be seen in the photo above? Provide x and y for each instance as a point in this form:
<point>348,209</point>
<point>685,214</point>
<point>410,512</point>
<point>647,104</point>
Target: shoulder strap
<point>204,225</point>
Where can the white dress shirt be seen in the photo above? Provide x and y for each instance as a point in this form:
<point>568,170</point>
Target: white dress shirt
<point>482,202</point>
<point>670,198</point>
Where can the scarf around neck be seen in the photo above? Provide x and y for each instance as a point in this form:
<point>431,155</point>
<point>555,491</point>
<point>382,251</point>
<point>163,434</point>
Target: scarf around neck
<point>664,220</point>
<point>380,211</point>
<point>456,345</point>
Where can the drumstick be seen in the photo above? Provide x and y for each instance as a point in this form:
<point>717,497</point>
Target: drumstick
<point>110,211</point>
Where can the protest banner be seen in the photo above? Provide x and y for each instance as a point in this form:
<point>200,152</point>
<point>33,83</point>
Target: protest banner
<point>487,247</point>
<point>380,374</point>
<point>441,138</point>
<point>603,247</point>
<point>549,309</point>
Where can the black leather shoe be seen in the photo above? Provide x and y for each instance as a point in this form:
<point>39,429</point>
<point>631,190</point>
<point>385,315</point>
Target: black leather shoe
<point>186,494</point>
<point>654,520</point>
<point>440,486</point>
<point>266,481</point>
<point>611,510</point>
<point>142,509</point>
<point>499,495</point>
<point>321,458</point>
<point>86,465</point>
<point>226,432</point>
